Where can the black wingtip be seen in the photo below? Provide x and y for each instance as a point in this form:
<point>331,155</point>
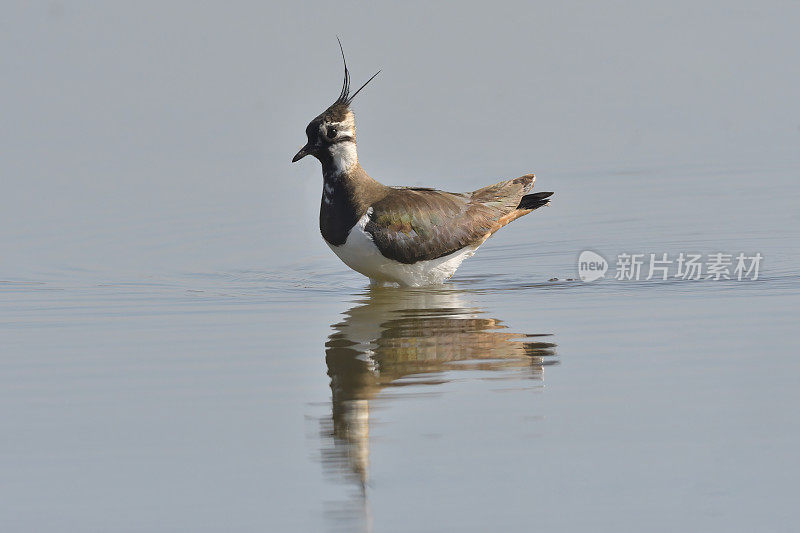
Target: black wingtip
<point>535,200</point>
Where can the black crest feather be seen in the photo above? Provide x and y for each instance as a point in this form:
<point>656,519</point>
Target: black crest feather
<point>344,96</point>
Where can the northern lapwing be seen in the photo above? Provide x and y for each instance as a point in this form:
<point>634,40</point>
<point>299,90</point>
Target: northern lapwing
<point>412,236</point>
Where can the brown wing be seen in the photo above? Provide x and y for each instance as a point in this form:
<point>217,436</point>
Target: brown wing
<point>410,225</point>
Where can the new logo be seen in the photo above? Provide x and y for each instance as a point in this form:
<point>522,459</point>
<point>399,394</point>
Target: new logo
<point>591,266</point>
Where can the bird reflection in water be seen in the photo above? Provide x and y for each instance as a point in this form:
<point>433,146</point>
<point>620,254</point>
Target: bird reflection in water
<point>401,337</point>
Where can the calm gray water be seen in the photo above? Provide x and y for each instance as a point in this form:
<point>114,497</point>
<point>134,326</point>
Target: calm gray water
<point>182,352</point>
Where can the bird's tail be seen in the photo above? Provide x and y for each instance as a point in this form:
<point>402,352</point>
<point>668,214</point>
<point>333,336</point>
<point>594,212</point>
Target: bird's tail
<point>534,201</point>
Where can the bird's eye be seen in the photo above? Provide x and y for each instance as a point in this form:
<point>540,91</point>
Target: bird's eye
<point>331,133</point>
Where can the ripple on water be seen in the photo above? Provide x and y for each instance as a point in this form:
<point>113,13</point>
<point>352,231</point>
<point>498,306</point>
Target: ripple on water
<point>396,344</point>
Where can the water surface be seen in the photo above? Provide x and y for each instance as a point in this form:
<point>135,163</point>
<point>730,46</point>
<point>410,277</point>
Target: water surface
<point>180,351</point>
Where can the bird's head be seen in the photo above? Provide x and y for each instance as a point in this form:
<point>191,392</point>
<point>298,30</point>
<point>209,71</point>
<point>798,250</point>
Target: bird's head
<point>332,134</point>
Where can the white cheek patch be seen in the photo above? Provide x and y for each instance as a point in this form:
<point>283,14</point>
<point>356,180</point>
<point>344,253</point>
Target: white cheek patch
<point>344,155</point>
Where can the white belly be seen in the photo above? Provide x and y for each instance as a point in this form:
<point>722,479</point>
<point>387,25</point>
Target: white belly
<point>360,253</point>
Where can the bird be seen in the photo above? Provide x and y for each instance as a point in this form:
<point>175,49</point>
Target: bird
<point>407,236</point>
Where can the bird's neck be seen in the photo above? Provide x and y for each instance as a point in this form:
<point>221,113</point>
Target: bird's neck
<point>339,158</point>
<point>346,196</point>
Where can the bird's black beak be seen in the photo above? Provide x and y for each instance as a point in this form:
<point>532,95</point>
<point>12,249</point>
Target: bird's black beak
<point>304,151</point>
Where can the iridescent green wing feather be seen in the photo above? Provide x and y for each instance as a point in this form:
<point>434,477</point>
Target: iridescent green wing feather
<point>411,225</point>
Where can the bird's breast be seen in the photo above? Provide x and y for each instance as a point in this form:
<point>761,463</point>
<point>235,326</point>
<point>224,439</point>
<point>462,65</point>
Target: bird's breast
<point>360,253</point>
<point>337,214</point>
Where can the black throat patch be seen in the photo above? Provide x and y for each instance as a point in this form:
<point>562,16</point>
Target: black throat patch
<point>339,211</point>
